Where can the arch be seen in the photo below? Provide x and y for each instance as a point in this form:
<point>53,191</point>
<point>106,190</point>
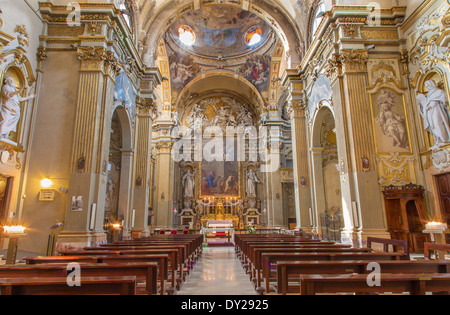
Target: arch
<point>327,192</point>
<point>125,124</point>
<point>276,17</point>
<point>255,99</point>
<point>317,116</point>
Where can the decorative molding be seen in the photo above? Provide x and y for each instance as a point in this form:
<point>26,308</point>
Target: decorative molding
<point>440,158</point>
<point>395,169</point>
<point>354,60</point>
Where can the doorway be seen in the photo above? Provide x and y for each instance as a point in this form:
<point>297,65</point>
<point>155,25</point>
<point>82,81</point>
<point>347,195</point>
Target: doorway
<point>443,192</point>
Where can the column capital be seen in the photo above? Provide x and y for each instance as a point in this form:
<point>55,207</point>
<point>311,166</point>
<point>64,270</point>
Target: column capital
<point>164,146</point>
<point>92,58</point>
<point>354,60</point>
<point>146,106</point>
<point>99,60</point>
<point>296,107</point>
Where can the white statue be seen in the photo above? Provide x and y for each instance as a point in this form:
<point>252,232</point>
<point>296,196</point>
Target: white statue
<point>10,107</point>
<point>434,110</point>
<point>252,180</point>
<point>188,184</point>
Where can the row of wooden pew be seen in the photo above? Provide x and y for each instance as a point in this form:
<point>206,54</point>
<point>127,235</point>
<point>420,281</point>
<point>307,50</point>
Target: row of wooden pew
<point>158,264</point>
<point>284,264</point>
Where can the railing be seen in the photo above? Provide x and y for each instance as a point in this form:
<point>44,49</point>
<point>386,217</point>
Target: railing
<point>331,223</point>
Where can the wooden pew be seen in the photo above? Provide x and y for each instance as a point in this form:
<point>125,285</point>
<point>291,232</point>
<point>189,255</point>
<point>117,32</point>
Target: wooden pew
<point>257,252</point>
<point>415,284</point>
<point>160,259</point>
<point>173,256</point>
<point>440,248</point>
<point>184,250</point>
<point>288,272</point>
<point>394,244</point>
<point>144,272</point>
<point>58,286</point>
<point>269,260</point>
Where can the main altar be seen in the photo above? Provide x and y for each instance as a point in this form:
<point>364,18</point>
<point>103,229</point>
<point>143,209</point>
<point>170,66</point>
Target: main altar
<point>216,211</point>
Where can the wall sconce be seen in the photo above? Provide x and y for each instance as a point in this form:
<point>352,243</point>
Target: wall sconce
<point>47,193</point>
<point>46,183</point>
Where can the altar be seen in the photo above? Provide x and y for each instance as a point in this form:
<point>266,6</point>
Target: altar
<point>219,228</point>
<point>216,211</point>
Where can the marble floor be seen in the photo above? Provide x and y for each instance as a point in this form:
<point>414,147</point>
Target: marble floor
<point>218,272</point>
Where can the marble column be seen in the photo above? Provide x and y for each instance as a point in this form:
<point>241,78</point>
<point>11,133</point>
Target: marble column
<point>143,163</point>
<point>98,69</point>
<point>163,202</point>
<point>302,182</point>
<point>274,188</point>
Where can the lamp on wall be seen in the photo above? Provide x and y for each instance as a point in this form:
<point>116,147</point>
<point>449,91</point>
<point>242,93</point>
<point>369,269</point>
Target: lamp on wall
<point>46,183</point>
<point>47,193</point>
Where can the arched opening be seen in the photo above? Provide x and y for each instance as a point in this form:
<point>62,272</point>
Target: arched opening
<point>327,186</point>
<point>118,169</point>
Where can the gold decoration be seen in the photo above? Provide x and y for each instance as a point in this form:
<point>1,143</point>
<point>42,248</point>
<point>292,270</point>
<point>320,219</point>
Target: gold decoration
<point>145,105</point>
<point>23,37</point>
<point>354,60</point>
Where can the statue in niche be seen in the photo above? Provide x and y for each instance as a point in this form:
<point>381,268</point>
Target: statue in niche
<point>392,124</point>
<point>110,195</point>
<point>252,180</point>
<point>434,111</point>
<point>188,184</point>
<point>10,107</point>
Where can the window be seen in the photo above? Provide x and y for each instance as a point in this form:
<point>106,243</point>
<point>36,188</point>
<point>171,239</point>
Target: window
<point>254,36</point>
<point>186,35</point>
<point>320,12</point>
<point>125,13</point>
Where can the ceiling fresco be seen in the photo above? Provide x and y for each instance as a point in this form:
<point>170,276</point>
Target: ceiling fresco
<point>220,38</point>
<point>221,31</point>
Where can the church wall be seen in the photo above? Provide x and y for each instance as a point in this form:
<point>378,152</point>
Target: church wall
<point>426,35</point>
<point>52,147</point>
<point>19,31</point>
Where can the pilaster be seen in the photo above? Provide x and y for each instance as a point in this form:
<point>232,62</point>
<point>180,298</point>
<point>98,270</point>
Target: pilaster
<point>143,162</point>
<point>302,182</point>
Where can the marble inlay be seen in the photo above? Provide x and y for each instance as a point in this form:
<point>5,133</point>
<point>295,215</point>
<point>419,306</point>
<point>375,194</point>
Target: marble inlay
<point>218,272</point>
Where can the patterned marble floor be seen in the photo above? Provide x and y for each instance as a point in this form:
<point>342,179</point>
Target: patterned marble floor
<point>218,272</point>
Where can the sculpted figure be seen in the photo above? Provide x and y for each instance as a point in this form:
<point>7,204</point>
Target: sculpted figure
<point>188,184</point>
<point>434,111</point>
<point>252,180</point>
<point>10,107</point>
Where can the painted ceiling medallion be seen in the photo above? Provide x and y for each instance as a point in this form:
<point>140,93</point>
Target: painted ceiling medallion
<point>224,30</point>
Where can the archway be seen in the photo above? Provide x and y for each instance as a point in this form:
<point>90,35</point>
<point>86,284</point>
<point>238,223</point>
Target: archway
<point>118,169</point>
<point>154,24</point>
<point>327,188</point>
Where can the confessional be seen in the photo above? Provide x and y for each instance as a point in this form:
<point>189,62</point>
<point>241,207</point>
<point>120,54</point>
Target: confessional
<point>406,215</point>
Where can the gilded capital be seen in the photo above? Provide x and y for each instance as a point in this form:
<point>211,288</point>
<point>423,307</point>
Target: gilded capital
<point>297,107</point>
<point>112,65</point>
<point>92,58</point>
<point>145,105</point>
<point>354,60</point>
<point>333,67</point>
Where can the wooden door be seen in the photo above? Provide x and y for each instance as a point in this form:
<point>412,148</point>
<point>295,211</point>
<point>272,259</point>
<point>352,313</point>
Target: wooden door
<point>443,184</point>
<point>5,184</point>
